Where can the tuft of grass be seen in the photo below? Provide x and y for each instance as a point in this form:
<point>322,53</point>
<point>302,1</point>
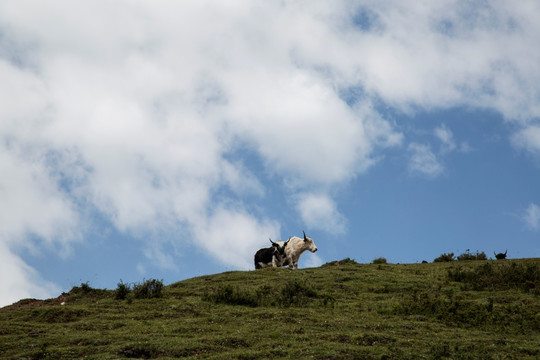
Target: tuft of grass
<point>346,261</point>
<point>86,288</point>
<point>122,291</point>
<point>140,351</point>
<point>296,293</point>
<point>466,256</point>
<point>445,258</point>
<point>379,260</point>
<point>85,291</point>
<point>148,289</point>
<point>232,296</point>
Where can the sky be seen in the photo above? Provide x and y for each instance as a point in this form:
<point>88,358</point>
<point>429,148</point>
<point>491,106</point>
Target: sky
<point>172,139</point>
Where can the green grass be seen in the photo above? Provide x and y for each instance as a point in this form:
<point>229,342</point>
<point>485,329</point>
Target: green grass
<point>341,310</point>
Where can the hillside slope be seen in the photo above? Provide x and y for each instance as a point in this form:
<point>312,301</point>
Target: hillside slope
<point>341,310</point>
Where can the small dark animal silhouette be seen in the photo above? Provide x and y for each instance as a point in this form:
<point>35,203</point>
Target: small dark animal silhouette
<point>501,256</point>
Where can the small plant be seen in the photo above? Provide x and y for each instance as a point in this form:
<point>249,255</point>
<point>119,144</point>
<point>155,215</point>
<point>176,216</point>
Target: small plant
<point>43,353</point>
<point>122,291</point>
<point>296,293</point>
<point>445,258</point>
<point>84,291</point>
<point>380,260</point>
<point>148,289</point>
<point>140,351</point>
<point>232,296</point>
<point>86,288</point>
<point>342,262</point>
<point>466,256</point>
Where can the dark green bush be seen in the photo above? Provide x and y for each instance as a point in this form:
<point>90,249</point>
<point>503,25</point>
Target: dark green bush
<point>85,291</point>
<point>148,289</point>
<point>232,296</point>
<point>43,353</point>
<point>140,351</point>
<point>346,261</point>
<point>470,256</point>
<point>380,260</point>
<point>86,288</point>
<point>122,291</point>
<point>296,293</point>
<point>445,258</point>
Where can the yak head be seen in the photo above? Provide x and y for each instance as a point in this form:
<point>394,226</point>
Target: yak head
<point>309,243</point>
<point>501,256</point>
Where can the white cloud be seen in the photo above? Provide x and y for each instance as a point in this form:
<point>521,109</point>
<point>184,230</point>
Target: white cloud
<point>464,147</point>
<point>318,211</point>
<point>32,207</point>
<point>309,260</point>
<point>143,112</point>
<point>532,216</point>
<point>444,54</point>
<point>32,204</point>
<point>233,236</point>
<point>445,135</point>
<point>528,138</point>
<point>19,281</point>
<point>422,160</point>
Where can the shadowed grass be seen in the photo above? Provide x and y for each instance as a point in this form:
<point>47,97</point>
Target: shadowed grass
<point>499,276</point>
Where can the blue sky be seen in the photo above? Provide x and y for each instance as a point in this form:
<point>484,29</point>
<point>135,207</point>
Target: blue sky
<point>171,140</point>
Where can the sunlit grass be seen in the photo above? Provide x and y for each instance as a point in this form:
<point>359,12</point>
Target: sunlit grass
<point>342,310</point>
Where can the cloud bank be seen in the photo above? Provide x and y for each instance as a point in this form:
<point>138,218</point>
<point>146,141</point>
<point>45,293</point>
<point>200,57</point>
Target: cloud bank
<point>148,113</point>
<point>320,212</point>
<point>531,217</point>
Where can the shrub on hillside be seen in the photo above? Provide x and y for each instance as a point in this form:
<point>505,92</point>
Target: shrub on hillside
<point>296,293</point>
<point>140,351</point>
<point>342,262</point>
<point>470,256</point>
<point>232,296</point>
<point>122,291</point>
<point>380,260</point>
<point>86,288</point>
<point>85,291</point>
<point>445,258</point>
<point>148,289</point>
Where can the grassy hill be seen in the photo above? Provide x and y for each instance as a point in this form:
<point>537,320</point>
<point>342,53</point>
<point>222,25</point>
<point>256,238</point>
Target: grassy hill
<point>341,310</point>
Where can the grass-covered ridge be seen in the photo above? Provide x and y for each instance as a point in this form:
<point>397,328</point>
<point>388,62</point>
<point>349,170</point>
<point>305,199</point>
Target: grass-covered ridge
<point>341,310</point>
